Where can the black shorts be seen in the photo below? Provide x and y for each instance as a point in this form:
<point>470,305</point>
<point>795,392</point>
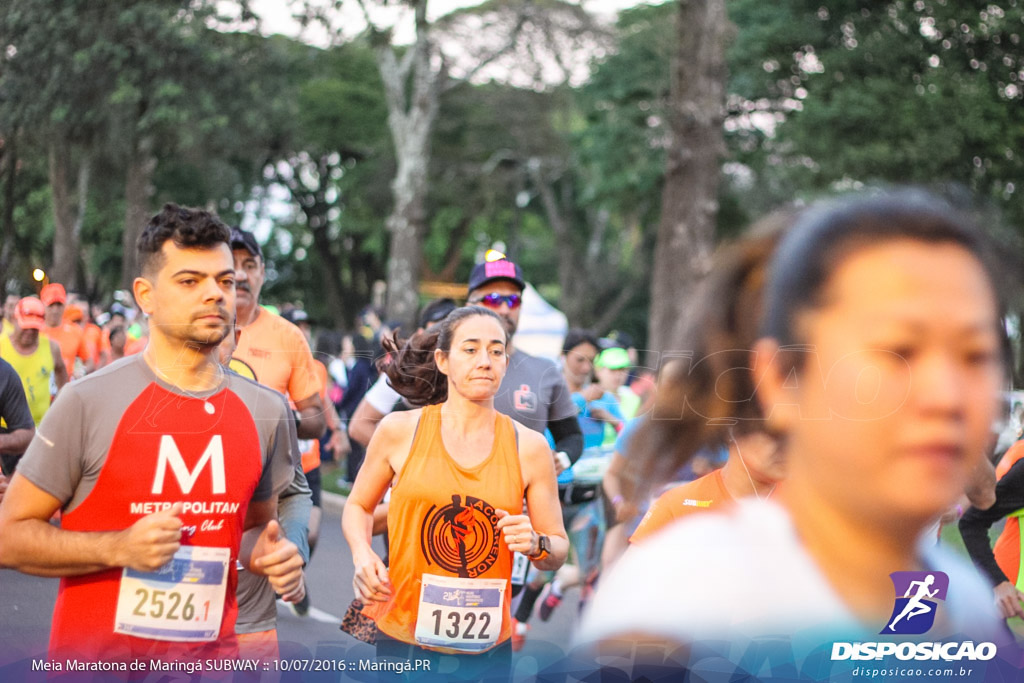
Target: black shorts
<point>315,485</point>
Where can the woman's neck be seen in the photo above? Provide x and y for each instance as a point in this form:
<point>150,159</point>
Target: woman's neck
<point>463,416</point>
<point>855,553</point>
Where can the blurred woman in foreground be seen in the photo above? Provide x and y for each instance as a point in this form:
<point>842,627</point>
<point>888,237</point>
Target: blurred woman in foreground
<point>878,367</point>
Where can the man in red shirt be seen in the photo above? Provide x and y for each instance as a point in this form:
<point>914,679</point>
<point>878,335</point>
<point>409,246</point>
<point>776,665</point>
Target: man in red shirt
<point>166,469</point>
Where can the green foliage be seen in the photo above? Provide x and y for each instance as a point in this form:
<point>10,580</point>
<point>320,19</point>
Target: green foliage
<point>897,92</point>
<point>822,97</point>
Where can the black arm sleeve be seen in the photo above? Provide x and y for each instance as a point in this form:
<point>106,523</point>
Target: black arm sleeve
<point>568,437</point>
<point>975,523</point>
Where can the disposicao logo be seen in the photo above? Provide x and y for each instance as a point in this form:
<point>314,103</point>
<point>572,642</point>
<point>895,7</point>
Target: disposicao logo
<point>913,613</point>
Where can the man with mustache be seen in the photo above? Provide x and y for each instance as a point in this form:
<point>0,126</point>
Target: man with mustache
<point>279,356</point>
<point>166,470</point>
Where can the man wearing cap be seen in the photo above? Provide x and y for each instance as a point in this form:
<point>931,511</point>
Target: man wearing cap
<point>34,356</point>
<point>533,390</point>
<point>274,348</point>
<point>69,336</point>
<point>611,368</point>
<point>279,356</point>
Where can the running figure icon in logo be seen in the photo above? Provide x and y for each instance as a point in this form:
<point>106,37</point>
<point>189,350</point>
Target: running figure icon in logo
<point>916,588</point>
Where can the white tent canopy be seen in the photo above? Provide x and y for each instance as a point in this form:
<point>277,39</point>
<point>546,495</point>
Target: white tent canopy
<point>542,327</point>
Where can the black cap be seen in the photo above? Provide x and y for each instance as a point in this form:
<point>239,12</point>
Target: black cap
<point>243,239</point>
<point>436,311</point>
<point>501,269</point>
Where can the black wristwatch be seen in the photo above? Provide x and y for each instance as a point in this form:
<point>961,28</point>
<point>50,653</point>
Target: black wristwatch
<point>543,549</point>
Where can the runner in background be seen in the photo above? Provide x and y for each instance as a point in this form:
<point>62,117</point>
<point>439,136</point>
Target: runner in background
<point>611,369</point>
<point>193,493</point>
<point>35,357</point>
<point>725,327</point>
<point>1001,564</point>
<point>458,472</point>
<point>69,336</point>
<point>118,340</point>
<point>280,358</point>
<point>77,313</point>
<point>896,285</point>
<point>596,406</point>
<point>361,374</point>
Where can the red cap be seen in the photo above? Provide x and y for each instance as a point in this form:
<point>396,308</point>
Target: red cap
<point>29,314</point>
<point>53,293</point>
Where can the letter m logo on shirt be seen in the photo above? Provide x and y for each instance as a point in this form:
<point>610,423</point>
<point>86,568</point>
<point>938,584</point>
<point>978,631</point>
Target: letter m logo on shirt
<point>170,455</point>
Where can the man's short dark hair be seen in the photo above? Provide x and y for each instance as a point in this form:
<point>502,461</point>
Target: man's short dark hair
<point>187,228</point>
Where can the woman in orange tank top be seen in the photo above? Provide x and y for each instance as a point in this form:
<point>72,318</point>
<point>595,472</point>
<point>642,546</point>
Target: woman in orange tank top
<point>458,472</point>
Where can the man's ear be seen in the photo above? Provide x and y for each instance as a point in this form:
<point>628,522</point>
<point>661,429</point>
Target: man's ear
<point>142,288</point>
<point>776,386</point>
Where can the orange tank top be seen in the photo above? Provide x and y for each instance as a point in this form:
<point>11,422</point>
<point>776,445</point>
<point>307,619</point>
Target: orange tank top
<point>442,523</point>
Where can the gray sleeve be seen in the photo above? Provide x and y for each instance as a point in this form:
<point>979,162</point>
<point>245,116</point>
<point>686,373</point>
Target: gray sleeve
<point>557,393</point>
<point>54,459</point>
<point>294,506</point>
<point>282,455</point>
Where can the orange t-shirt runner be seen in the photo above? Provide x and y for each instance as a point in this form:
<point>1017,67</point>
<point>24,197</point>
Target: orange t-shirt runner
<point>71,340</point>
<point>279,356</point>
<point>706,493</point>
<point>445,543</point>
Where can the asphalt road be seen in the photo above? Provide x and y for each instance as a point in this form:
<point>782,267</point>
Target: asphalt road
<point>27,602</point>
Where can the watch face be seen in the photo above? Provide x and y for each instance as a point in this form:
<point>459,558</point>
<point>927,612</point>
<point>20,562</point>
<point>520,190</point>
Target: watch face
<point>542,543</point>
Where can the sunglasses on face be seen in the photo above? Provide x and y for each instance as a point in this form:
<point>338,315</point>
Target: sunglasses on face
<point>495,300</point>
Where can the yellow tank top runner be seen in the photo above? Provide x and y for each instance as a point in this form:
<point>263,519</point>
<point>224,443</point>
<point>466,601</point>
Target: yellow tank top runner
<point>36,372</point>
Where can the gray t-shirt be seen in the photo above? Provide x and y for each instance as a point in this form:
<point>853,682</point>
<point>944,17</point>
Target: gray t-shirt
<point>71,445</point>
<point>534,392</point>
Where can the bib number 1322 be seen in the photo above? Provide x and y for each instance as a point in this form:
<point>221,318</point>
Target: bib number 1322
<point>461,614</point>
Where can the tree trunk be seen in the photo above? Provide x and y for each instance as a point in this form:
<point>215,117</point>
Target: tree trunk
<point>10,161</point>
<point>690,196</point>
<point>412,89</point>
<point>138,193</point>
<point>407,224</point>
<point>68,210</point>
